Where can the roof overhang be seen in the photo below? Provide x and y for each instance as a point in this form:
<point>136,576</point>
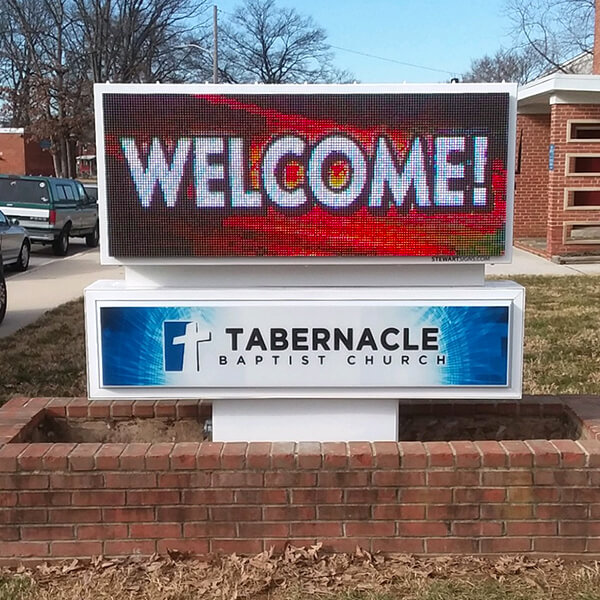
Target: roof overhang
<point>559,88</point>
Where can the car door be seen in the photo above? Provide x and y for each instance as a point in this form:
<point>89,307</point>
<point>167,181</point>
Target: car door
<point>86,208</point>
<point>10,240</point>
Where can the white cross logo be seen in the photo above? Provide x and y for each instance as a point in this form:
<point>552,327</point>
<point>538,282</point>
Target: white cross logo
<point>191,339</point>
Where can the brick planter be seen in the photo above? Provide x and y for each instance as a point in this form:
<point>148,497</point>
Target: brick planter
<point>63,500</point>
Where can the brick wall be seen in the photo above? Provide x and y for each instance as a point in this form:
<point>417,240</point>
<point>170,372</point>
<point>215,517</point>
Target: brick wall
<point>63,500</point>
<point>557,215</point>
<point>12,148</point>
<point>22,154</point>
<point>37,160</point>
<point>531,182</point>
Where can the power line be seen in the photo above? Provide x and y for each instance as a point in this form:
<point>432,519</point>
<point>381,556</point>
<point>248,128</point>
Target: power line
<point>393,60</point>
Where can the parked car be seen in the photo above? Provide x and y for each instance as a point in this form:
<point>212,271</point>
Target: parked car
<point>52,210</point>
<point>15,247</point>
<point>3,295</point>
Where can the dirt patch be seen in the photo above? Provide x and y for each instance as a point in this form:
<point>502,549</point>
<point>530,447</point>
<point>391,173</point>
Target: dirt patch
<point>412,428</point>
<point>126,431</point>
<point>486,427</point>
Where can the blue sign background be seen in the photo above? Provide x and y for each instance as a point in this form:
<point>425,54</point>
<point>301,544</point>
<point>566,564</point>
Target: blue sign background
<point>133,341</point>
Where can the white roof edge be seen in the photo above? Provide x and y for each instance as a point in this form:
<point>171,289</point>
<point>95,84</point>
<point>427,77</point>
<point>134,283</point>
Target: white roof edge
<point>12,130</point>
<point>559,82</point>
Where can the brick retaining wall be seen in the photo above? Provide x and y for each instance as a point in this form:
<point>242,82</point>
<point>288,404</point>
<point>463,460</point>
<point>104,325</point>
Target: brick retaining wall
<point>64,500</point>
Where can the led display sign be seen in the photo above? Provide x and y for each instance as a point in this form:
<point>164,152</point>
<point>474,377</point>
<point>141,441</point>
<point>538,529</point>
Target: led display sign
<point>294,171</point>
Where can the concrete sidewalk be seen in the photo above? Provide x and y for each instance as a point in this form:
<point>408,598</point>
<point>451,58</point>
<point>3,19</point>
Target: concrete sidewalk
<point>32,293</point>
<point>43,288</point>
<point>525,263</point>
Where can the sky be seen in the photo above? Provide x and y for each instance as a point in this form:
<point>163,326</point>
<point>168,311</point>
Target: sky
<point>438,34</point>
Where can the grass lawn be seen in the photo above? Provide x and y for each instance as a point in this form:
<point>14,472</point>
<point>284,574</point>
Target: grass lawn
<point>562,344</point>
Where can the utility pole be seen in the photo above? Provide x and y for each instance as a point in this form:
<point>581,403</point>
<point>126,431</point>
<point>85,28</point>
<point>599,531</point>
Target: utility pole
<point>215,47</point>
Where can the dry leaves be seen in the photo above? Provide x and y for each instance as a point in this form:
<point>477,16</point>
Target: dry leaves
<point>296,573</point>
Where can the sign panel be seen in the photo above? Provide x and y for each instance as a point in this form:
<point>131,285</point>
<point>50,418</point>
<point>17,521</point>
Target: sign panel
<point>237,346</point>
<point>337,172</point>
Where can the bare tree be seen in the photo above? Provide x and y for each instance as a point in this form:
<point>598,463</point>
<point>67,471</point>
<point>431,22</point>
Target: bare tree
<point>51,52</point>
<point>556,30</point>
<point>265,43</point>
<point>506,65</point>
<point>16,65</point>
<point>41,74</point>
<point>137,40</point>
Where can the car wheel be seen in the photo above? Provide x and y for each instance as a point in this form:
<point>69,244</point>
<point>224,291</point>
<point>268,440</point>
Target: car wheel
<point>92,239</point>
<point>3,295</point>
<point>24,255</point>
<point>61,243</point>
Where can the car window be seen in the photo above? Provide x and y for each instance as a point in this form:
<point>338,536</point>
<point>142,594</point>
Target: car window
<point>24,191</point>
<point>83,199</point>
<point>64,194</point>
<point>60,193</point>
<point>92,192</point>
<point>3,220</point>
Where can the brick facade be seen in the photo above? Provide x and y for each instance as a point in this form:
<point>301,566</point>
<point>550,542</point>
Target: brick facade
<point>65,500</point>
<point>12,153</point>
<point>37,160</point>
<point>531,179</point>
<point>21,154</point>
<point>558,181</point>
<point>540,210</point>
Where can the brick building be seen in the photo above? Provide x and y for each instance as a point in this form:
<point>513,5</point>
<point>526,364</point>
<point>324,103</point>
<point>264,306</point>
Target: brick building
<point>557,195</point>
<point>557,182</point>
<point>22,154</point>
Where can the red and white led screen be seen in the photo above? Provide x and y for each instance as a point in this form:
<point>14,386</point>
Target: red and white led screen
<point>297,174</point>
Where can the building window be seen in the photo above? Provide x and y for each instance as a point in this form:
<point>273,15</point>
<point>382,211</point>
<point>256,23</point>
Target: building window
<point>519,154</point>
<point>586,165</point>
<point>582,198</point>
<point>583,131</point>
<point>581,233</point>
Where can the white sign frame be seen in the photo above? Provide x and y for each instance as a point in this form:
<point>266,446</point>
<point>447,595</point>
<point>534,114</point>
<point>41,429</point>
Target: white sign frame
<point>116,293</point>
<point>295,262</point>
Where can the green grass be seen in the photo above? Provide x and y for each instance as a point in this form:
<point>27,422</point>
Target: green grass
<point>15,588</point>
<point>562,344</point>
<point>562,335</point>
<point>522,587</point>
<point>455,587</point>
<point>488,589</point>
<point>46,358</point>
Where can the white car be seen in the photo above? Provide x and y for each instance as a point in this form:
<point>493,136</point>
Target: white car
<point>15,247</point>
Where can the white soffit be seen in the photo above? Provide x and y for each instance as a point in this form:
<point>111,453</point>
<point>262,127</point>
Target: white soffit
<point>558,88</point>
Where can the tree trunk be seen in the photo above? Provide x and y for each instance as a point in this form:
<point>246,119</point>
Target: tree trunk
<point>56,162</point>
<point>63,157</point>
<point>69,158</point>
